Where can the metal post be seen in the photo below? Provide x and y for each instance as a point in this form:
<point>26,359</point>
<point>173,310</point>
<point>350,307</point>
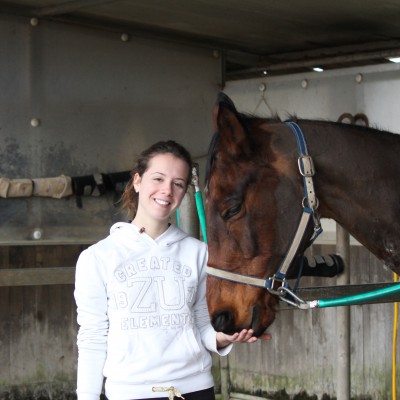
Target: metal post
<point>343,320</point>
<point>224,368</point>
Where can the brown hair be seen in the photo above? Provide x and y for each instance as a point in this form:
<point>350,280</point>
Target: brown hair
<point>130,198</point>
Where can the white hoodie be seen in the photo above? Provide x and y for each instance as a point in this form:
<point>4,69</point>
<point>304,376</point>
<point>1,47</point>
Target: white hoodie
<point>143,315</point>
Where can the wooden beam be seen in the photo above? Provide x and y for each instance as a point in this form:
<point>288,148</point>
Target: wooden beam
<point>66,276</point>
<point>37,276</point>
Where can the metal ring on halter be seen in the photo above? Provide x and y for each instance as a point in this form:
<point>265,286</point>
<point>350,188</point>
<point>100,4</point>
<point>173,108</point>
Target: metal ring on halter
<point>272,281</point>
<point>313,208</point>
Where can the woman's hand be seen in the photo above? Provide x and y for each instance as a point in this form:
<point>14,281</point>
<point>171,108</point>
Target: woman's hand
<point>245,336</point>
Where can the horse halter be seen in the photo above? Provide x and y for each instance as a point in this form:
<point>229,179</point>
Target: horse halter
<point>310,205</point>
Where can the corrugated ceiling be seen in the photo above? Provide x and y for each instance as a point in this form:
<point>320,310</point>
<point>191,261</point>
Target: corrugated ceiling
<point>277,36</point>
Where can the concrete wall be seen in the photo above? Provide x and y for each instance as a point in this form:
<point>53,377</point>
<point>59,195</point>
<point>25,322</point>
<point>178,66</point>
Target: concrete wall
<point>99,101</point>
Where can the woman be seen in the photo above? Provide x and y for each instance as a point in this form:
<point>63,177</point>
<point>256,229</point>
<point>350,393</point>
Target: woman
<point>141,295</point>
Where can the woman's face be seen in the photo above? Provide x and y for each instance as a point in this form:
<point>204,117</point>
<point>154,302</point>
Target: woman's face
<point>162,186</point>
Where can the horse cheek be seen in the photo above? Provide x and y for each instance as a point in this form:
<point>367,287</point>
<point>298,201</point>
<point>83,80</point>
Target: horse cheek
<point>245,239</point>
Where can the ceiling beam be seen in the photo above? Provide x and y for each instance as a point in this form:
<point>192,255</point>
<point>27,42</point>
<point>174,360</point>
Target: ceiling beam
<point>68,7</point>
<point>332,51</point>
<point>305,62</point>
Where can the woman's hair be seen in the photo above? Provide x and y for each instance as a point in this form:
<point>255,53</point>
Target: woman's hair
<point>130,197</point>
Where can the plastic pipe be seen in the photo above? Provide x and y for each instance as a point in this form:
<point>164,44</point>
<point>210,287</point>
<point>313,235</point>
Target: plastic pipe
<point>201,213</point>
<point>359,298</point>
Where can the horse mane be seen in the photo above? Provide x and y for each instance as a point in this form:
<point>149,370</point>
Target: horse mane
<point>247,119</point>
<point>361,128</point>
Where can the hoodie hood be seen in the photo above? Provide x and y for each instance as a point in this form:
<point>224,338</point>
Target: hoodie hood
<point>131,232</point>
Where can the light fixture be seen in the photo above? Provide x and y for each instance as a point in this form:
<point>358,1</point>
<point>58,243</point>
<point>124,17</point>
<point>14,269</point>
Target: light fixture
<point>264,72</point>
<point>394,59</point>
<point>318,69</point>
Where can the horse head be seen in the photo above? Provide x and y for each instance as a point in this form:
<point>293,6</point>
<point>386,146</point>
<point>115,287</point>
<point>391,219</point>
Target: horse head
<point>261,206</point>
<point>253,205</point>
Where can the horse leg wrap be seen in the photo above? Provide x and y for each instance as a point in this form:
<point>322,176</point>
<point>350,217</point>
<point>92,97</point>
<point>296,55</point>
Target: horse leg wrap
<point>15,187</point>
<point>57,187</point>
<point>324,266</point>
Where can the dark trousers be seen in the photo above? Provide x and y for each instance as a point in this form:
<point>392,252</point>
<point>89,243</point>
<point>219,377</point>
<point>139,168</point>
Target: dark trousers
<point>206,394</point>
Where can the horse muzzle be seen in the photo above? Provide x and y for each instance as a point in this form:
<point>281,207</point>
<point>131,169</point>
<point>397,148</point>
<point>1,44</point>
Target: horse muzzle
<point>225,321</point>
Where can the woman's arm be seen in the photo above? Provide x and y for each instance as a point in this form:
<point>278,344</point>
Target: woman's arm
<point>245,336</point>
<point>91,300</point>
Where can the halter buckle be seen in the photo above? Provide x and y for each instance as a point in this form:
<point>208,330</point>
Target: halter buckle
<point>275,289</point>
<point>306,166</point>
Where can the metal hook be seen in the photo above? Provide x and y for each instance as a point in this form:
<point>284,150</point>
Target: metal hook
<point>298,302</point>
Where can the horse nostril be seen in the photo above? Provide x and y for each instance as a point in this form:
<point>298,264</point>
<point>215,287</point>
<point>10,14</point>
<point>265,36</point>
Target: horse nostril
<point>222,321</point>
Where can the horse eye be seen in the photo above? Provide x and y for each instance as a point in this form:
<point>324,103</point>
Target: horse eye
<point>231,212</point>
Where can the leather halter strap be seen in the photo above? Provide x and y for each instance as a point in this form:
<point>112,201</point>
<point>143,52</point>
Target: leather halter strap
<point>309,204</point>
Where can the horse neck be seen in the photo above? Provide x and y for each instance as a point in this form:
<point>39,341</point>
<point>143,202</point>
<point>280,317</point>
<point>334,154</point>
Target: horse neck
<point>357,183</point>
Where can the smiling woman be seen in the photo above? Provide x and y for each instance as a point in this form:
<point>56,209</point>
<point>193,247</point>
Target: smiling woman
<point>141,295</point>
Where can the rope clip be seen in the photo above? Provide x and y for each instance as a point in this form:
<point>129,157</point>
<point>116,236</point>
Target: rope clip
<point>294,301</point>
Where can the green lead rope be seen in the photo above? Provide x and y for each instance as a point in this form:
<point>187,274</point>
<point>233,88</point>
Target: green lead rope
<point>199,205</point>
<point>201,213</point>
<point>177,218</point>
<point>358,298</point>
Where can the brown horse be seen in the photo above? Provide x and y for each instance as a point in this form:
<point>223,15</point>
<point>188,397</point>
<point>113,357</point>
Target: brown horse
<point>257,191</point>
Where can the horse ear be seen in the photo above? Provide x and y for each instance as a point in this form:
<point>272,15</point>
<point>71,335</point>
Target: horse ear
<point>228,123</point>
